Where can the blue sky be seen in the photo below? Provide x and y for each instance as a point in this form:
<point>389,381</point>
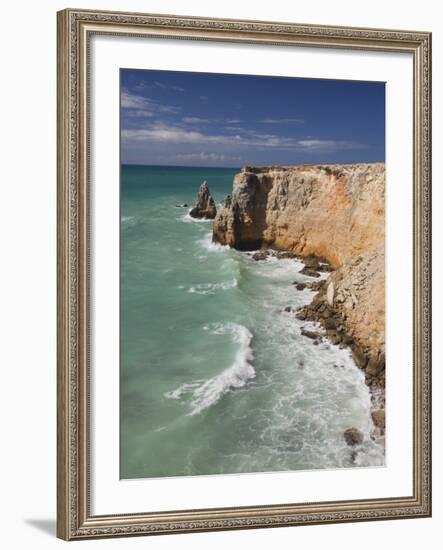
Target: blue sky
<point>201,119</point>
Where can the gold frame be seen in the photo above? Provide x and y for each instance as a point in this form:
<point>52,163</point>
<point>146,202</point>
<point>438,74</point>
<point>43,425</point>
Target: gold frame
<point>75,27</point>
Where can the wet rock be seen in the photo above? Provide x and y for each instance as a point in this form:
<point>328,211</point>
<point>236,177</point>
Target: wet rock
<point>301,315</point>
<point>260,255</point>
<point>359,357</point>
<point>309,272</point>
<point>284,254</point>
<point>378,418</point>
<point>300,286</point>
<point>335,338</point>
<point>288,309</point>
<point>204,207</point>
<point>311,334</point>
<point>353,437</point>
<point>315,285</point>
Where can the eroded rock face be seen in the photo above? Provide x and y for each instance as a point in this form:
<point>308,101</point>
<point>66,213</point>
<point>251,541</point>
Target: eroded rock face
<point>335,212</point>
<point>204,207</point>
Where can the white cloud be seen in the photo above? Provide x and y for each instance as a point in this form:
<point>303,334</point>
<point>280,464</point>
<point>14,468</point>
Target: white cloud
<point>144,105</point>
<point>195,120</point>
<point>136,113</point>
<point>282,121</point>
<point>158,85</point>
<point>163,133</point>
<point>200,156</point>
<point>131,101</point>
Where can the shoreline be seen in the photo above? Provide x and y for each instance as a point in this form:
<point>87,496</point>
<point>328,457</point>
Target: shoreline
<point>331,218</point>
<point>322,311</point>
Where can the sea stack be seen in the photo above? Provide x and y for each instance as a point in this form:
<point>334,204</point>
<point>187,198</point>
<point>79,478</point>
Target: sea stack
<point>204,207</point>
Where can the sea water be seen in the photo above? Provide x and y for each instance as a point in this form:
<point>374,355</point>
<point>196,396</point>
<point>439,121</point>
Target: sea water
<point>215,376</point>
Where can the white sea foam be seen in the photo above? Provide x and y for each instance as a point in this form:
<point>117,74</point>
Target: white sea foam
<point>186,218</point>
<point>181,390</point>
<point>209,245</point>
<point>127,221</point>
<point>213,288</point>
<point>207,393</point>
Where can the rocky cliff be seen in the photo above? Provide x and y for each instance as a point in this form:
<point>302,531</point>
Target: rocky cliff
<point>334,212</point>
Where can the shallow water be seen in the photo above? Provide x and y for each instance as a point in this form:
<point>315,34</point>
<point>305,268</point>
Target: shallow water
<point>215,376</point>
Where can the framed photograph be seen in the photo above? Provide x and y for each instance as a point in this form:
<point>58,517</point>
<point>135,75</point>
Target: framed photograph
<point>243,274</point>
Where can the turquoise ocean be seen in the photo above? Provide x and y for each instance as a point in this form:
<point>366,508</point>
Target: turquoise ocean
<point>215,377</point>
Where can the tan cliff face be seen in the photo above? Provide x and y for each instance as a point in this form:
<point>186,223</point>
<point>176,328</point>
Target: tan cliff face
<point>336,212</point>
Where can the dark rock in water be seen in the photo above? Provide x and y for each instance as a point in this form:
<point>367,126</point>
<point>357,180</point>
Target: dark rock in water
<point>301,315</point>
<point>310,272</point>
<point>260,255</point>
<point>311,334</point>
<point>184,205</point>
<point>284,255</point>
<point>300,286</point>
<point>204,207</point>
<point>359,357</point>
<point>378,417</point>
<point>335,338</point>
<point>353,437</point>
<point>315,285</point>
<point>288,309</point>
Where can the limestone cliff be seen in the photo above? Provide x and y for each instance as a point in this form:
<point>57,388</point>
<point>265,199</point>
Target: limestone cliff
<point>335,212</point>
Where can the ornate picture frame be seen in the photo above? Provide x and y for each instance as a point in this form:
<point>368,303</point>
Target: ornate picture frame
<point>75,519</point>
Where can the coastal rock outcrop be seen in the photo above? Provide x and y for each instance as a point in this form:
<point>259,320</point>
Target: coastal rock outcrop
<point>204,207</point>
<point>333,214</point>
<point>330,211</point>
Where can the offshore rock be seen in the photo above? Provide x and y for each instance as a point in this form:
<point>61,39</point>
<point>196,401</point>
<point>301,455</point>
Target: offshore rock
<point>204,207</point>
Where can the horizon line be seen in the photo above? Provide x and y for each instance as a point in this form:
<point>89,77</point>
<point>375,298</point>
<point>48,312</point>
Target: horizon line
<point>251,165</point>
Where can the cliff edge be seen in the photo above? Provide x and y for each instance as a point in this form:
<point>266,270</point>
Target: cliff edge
<point>335,212</point>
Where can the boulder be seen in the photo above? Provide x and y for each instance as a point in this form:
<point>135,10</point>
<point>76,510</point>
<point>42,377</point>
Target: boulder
<point>311,334</point>
<point>309,272</point>
<point>378,418</point>
<point>260,255</point>
<point>359,357</point>
<point>204,207</point>
<point>353,437</point>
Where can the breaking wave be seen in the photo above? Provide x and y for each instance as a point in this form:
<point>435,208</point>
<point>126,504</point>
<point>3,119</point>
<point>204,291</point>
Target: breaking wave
<point>204,394</point>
